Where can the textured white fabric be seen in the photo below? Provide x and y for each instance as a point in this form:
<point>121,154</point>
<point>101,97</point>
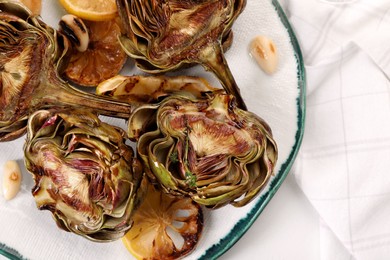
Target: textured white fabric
<point>344,163</point>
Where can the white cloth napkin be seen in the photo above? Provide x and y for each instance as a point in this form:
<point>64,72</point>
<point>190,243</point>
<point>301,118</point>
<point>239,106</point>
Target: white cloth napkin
<point>343,166</point>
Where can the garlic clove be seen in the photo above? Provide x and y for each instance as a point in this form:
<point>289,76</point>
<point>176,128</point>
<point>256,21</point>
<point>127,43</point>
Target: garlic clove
<point>264,51</point>
<point>76,31</point>
<point>12,178</point>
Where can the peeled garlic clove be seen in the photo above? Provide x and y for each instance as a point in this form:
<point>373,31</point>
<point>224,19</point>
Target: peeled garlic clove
<point>12,178</point>
<point>264,51</point>
<point>76,31</point>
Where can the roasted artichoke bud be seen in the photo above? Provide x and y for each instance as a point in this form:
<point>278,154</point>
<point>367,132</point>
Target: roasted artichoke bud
<point>31,57</point>
<point>206,148</point>
<point>164,35</point>
<point>84,173</point>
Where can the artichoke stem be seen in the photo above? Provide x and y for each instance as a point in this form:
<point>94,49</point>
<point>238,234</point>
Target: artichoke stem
<point>214,60</point>
<point>70,96</point>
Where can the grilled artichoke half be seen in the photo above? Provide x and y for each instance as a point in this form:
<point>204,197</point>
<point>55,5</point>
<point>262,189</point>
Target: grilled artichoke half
<point>32,54</point>
<point>163,35</point>
<point>84,173</point>
<point>206,148</point>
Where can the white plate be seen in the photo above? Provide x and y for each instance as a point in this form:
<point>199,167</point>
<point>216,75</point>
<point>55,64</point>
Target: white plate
<point>26,232</point>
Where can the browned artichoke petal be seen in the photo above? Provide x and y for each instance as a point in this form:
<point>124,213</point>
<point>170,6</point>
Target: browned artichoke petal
<point>16,8</point>
<point>154,165</point>
<point>84,172</point>
<point>12,130</point>
<point>141,121</point>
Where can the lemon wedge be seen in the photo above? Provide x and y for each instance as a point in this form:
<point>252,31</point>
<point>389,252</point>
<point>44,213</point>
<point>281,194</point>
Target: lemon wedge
<point>165,227</point>
<point>93,10</point>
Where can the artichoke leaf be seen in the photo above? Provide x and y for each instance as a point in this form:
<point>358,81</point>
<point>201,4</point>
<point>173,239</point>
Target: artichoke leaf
<point>164,176</point>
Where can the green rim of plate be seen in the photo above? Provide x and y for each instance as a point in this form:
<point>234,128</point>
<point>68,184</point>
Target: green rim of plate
<point>244,224</point>
<point>10,253</point>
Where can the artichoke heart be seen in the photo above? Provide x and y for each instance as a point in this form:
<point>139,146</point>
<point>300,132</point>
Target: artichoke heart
<point>206,148</point>
<point>84,172</point>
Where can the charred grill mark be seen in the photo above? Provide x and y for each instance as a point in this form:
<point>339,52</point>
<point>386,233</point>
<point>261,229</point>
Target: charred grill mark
<point>68,31</point>
<point>79,25</point>
<point>131,84</point>
<point>51,207</point>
